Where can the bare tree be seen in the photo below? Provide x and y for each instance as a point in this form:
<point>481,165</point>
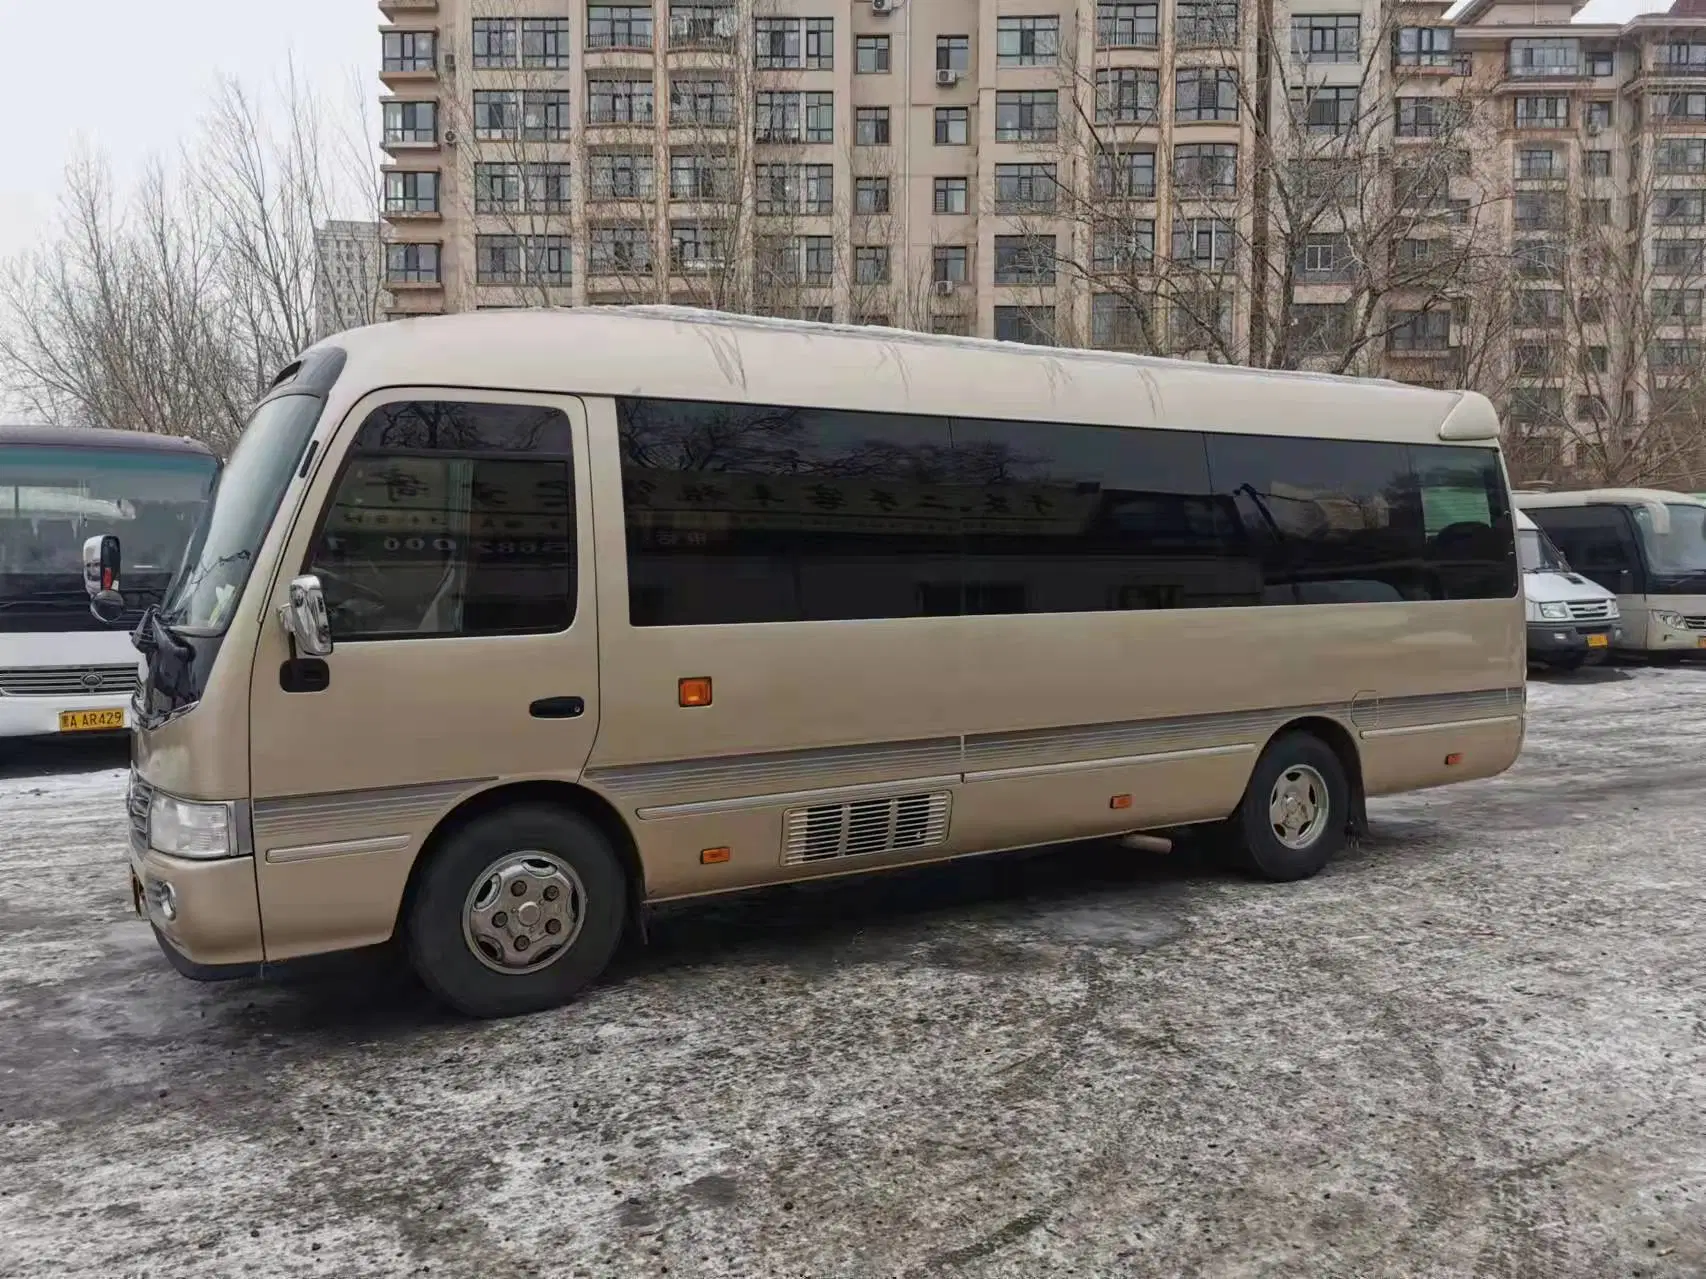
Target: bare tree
<point>1608,279</point>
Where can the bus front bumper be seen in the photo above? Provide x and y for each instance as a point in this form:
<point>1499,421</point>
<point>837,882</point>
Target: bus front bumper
<point>205,914</point>
<point>46,716</point>
<point>1566,642</point>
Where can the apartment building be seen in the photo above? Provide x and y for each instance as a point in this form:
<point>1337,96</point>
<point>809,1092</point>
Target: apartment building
<point>348,263</point>
<point>1601,130</point>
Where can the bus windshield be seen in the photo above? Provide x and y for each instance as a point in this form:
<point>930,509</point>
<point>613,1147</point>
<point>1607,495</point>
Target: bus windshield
<point>230,534</point>
<point>1537,553</point>
<point>1680,552</point>
<point>54,497</point>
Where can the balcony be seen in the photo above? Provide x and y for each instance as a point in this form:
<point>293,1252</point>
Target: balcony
<point>403,73</point>
<point>407,8</point>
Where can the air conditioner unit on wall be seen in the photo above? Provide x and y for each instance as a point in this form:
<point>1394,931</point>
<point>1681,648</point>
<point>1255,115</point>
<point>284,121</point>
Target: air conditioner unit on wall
<point>943,288</point>
<point>947,79</point>
<point>450,137</point>
<point>881,6</point>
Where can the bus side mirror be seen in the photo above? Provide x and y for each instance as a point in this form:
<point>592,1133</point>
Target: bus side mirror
<point>100,578</point>
<point>305,618</point>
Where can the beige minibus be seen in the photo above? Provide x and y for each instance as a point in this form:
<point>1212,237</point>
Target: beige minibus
<point>502,628</point>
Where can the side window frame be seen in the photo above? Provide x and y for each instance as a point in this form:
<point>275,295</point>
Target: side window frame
<point>328,480</point>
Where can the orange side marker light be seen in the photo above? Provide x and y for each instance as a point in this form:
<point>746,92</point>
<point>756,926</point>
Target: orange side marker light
<point>1453,759</point>
<point>1120,801</point>
<point>713,856</point>
<point>695,691</point>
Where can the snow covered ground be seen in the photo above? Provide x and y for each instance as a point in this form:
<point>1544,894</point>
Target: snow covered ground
<point>1476,1046</point>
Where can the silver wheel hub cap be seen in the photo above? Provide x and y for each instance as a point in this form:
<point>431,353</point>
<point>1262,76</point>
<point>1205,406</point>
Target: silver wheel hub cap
<point>1298,806</point>
<point>524,912</point>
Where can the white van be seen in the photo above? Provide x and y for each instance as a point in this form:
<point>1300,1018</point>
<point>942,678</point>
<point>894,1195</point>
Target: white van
<point>1571,621</point>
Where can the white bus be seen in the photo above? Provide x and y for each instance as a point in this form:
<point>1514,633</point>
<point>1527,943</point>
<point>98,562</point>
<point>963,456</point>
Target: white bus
<point>62,670</point>
<point>504,627</point>
<point>1647,547</point>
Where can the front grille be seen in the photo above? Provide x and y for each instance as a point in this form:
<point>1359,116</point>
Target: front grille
<point>1590,610</point>
<point>136,802</point>
<point>1694,623</point>
<point>859,829</point>
<point>68,681</point>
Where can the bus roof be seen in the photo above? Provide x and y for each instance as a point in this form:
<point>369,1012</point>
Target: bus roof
<point>1607,497</point>
<point>93,437</point>
<point>682,353</point>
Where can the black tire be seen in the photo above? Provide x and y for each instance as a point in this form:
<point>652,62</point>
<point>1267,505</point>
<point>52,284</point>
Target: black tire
<point>1259,848</point>
<point>447,963</point>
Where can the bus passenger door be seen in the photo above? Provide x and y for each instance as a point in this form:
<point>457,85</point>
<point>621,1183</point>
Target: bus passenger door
<point>450,532</point>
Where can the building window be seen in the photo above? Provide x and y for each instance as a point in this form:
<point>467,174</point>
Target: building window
<point>953,126</point>
<point>1024,259</point>
<point>953,53</point>
<point>702,25</point>
<point>621,175</point>
<point>612,100</point>
<point>497,188</point>
<point>954,326</point>
<point>1533,359</point>
<point>1687,107</point>
<point>1127,95</point>
<point>795,44</point>
<point>1596,212</point>
<point>546,186</point>
<point>1127,26</point>
<point>1206,23</point>
<point>695,246</point>
<point>1597,115</point>
<point>1422,47</point>
<point>1326,37</point>
<point>1126,173</point>
<point>1679,208</point>
<point>496,42</point>
<point>1204,244</point>
<point>871,264</point>
<point>1550,56</point>
<point>409,50</point>
<point>694,175</point>
<point>1538,210</point>
<point>1687,55</point>
<point>411,192</point>
<point>1596,359</point>
<point>1199,320</point>
<point>950,264</point>
<point>411,123</point>
<point>795,188</point>
<point>1326,110</point>
<point>871,126</point>
<point>696,101</point>
<point>1032,325</point>
<point>1325,257</point>
<point>1205,93</point>
<point>1205,170</point>
<point>545,115</point>
<point>1538,308</point>
<point>1318,328</point>
<point>1671,306</point>
<point>1538,259</point>
<point>1670,355</point>
<point>1419,331</point>
<point>1679,155</point>
<point>951,196</point>
<point>618,26</point>
<point>1596,164</point>
<point>1024,188</point>
<point>545,43</point>
<point>1600,62</point>
<point>1026,115</point>
<point>870,196</point>
<point>795,117</point>
<point>1678,257</point>
<point>497,259</point>
<point>1426,117</point>
<point>619,250</point>
<point>1118,323</point>
<point>1027,42</point>
<point>411,264</point>
<point>1538,162</point>
<point>1542,113</point>
<point>1124,248</point>
<point>871,55</point>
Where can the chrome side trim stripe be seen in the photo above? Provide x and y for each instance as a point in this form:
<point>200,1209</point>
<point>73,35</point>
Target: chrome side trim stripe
<point>343,848</point>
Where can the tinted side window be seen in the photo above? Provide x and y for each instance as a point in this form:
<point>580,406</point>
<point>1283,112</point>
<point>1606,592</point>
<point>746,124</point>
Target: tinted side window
<point>451,519</point>
<point>750,513</point>
<point>1597,540</point>
<point>1337,521</point>
<point>1070,519</point>
<point>1471,548</point>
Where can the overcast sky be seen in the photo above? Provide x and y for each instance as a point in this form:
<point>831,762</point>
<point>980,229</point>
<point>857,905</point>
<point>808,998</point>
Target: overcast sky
<point>134,78</point>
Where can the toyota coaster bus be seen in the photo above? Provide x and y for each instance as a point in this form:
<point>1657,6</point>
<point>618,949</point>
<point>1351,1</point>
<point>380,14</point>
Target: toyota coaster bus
<point>62,670</point>
<point>504,627</point>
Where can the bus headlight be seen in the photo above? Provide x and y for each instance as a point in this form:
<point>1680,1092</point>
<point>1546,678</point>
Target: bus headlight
<point>183,828</point>
<point>1672,621</point>
<point>1555,612</point>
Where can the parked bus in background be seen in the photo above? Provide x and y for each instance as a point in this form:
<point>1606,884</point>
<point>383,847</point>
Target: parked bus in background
<point>62,670</point>
<point>504,627</point>
<point>1571,621</point>
<point>1647,546</point>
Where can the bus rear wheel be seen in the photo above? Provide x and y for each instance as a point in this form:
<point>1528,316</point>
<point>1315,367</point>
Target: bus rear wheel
<point>517,911</point>
<point>1295,811</point>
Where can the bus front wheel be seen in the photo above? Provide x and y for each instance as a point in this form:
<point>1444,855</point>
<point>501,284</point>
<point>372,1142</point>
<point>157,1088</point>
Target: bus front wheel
<point>1295,810</point>
<point>517,911</point>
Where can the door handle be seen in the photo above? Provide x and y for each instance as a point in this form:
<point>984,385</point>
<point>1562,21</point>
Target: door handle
<point>557,708</point>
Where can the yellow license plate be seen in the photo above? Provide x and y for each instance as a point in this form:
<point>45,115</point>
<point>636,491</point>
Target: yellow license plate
<point>91,721</point>
<point>1598,641</point>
